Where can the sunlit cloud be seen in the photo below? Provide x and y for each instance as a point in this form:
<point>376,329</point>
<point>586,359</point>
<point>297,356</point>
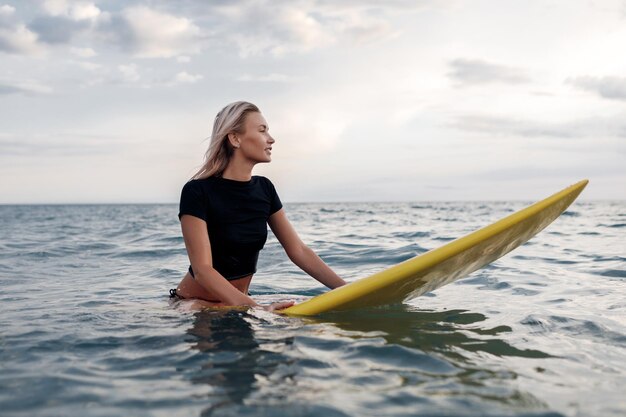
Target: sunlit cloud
<point>368,95</point>
<point>148,33</point>
<point>83,52</point>
<point>184,77</point>
<point>15,37</point>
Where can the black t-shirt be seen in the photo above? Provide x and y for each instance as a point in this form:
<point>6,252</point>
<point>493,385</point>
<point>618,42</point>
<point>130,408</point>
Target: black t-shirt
<point>236,214</point>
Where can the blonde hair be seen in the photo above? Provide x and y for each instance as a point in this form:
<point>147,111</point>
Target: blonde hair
<point>231,118</point>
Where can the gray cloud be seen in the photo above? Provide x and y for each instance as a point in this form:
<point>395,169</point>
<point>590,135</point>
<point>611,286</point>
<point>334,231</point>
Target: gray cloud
<point>9,89</point>
<point>26,88</point>
<point>150,33</point>
<point>301,26</point>
<point>166,29</point>
<point>505,127</point>
<point>477,71</point>
<point>608,87</point>
<point>15,37</point>
<point>66,144</point>
<point>57,29</point>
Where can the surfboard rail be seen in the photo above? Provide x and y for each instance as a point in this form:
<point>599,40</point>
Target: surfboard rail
<point>440,266</point>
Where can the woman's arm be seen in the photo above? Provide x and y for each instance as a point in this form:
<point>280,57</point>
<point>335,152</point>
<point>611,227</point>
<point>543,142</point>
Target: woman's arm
<point>198,247</point>
<point>299,253</point>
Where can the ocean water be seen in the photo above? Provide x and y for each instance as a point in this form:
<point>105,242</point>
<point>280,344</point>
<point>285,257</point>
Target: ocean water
<point>86,327</point>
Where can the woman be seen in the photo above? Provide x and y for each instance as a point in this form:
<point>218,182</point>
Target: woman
<point>224,212</point>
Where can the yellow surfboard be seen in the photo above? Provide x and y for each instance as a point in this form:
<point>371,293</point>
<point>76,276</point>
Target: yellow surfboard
<point>443,265</point>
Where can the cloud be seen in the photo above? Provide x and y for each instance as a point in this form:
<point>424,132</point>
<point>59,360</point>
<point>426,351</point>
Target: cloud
<point>58,144</point>
<point>77,10</point>
<point>476,71</point>
<point>506,127</point>
<point>129,73</point>
<point>607,87</point>
<point>272,78</point>
<point>6,10</point>
<point>147,33</point>
<point>89,66</point>
<point>83,52</point>
<point>251,27</point>
<point>65,20</point>
<point>57,29</point>
<point>263,27</point>
<point>186,78</point>
<point>141,31</point>
<point>28,88</point>
<point>15,37</point>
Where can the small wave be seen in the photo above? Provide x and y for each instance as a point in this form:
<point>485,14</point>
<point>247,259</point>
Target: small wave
<point>524,291</point>
<point>411,235</point>
<point>97,246</point>
<point>444,238</point>
<point>616,225</point>
<point>613,273</point>
<point>597,258</point>
<point>150,253</point>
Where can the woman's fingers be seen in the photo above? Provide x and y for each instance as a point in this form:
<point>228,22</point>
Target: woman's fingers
<point>280,305</point>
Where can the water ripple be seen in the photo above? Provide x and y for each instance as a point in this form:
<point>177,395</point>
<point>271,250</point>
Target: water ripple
<point>88,331</point>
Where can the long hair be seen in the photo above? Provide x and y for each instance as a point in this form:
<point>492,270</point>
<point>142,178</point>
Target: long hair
<point>231,118</point>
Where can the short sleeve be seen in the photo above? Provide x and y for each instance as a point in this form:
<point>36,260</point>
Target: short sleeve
<point>193,201</point>
<point>275,203</point>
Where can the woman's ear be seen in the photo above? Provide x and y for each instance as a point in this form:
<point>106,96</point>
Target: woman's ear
<point>234,140</point>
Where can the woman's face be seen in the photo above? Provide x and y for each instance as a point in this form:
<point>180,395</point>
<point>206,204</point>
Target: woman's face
<point>255,143</point>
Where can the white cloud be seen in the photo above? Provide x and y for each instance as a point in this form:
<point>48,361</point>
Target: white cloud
<point>84,11</point>
<point>273,77</point>
<point>184,77</point>
<point>15,37</point>
<point>75,10</point>
<point>27,87</point>
<point>149,33</point>
<point>65,21</point>
<point>55,7</point>
<point>83,52</point>
<point>262,27</point>
<point>18,39</point>
<point>183,59</point>
<point>129,72</point>
<point>6,10</point>
<point>90,66</point>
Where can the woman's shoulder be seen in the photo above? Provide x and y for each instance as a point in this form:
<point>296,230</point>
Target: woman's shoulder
<point>263,181</point>
<point>198,184</point>
<point>266,185</point>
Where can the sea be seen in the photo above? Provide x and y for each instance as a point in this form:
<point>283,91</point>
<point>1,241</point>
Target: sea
<point>87,328</point>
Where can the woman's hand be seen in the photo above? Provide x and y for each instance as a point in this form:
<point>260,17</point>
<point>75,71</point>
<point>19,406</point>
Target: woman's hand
<point>278,306</point>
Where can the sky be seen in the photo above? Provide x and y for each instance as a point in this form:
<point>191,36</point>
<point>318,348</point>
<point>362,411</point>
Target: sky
<point>425,100</point>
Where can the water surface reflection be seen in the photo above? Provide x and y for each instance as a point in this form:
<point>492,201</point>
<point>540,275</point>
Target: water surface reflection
<point>395,360</point>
